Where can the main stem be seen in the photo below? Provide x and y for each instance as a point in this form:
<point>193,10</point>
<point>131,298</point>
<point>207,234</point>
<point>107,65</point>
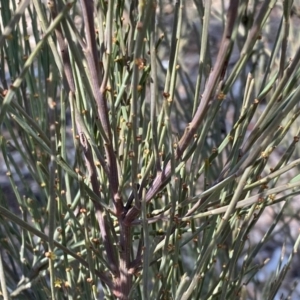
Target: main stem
<point>123,283</point>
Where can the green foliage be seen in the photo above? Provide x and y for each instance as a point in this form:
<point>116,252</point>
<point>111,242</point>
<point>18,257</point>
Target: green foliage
<point>142,142</point>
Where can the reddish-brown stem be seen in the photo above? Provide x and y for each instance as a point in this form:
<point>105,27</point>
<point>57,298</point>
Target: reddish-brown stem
<point>123,283</point>
<point>213,81</point>
<point>123,280</point>
<point>108,244</point>
<point>111,256</point>
<point>99,91</point>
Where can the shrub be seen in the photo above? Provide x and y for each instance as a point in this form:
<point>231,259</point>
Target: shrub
<point>140,158</point>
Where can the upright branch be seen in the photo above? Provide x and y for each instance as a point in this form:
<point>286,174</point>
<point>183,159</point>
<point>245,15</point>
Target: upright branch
<point>99,92</point>
<point>213,81</point>
<point>123,279</point>
<point>83,140</point>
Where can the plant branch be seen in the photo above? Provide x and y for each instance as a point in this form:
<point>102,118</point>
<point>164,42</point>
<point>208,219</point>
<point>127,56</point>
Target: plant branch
<point>13,218</point>
<point>96,79</point>
<point>87,150</point>
<point>163,177</point>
